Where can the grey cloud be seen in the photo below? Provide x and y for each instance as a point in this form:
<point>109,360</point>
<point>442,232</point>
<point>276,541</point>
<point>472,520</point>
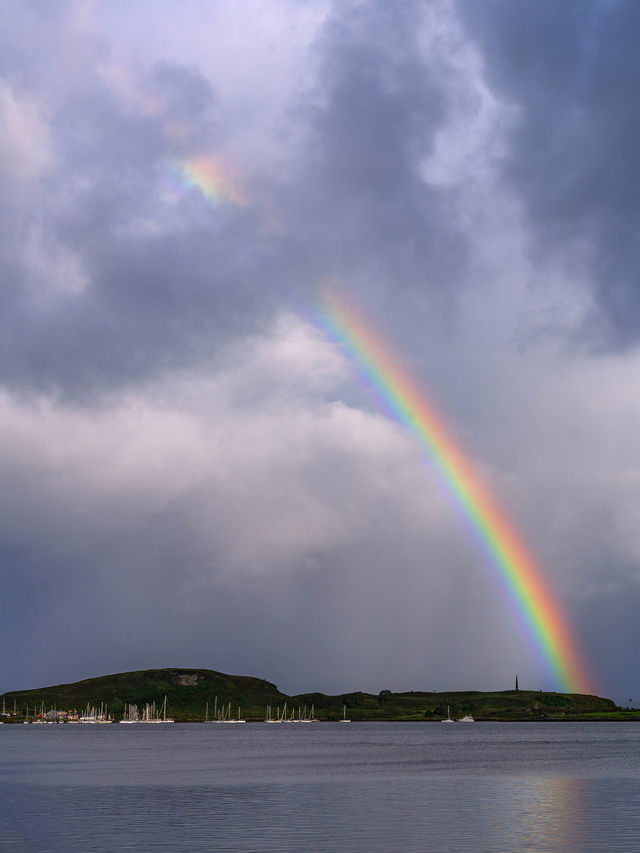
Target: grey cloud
<point>155,533</point>
<point>288,524</point>
<point>364,211</point>
<point>572,69</point>
<point>185,92</point>
<point>158,291</point>
<point>163,286</point>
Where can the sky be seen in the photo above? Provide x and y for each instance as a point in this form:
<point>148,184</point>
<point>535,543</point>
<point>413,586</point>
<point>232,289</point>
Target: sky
<point>192,472</point>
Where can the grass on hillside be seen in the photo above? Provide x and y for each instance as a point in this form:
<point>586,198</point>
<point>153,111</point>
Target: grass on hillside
<point>188,692</point>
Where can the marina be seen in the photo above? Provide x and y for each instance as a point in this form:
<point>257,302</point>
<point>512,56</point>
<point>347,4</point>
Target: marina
<point>153,713</point>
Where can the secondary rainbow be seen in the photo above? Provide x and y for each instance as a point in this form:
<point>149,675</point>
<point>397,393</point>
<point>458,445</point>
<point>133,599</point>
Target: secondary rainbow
<point>212,176</point>
<point>537,606</point>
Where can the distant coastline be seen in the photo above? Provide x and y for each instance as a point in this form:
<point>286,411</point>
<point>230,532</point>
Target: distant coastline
<point>195,695</point>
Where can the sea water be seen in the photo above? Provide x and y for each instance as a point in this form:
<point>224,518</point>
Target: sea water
<point>321,787</point>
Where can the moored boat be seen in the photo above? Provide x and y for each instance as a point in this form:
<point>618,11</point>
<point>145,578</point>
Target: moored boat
<point>448,720</point>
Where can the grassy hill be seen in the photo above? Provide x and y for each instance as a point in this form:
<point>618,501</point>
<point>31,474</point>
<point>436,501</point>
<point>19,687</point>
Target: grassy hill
<point>189,690</point>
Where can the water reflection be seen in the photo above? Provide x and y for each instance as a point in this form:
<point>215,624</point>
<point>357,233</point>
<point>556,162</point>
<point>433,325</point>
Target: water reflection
<point>541,814</point>
<point>530,816</point>
<point>377,789</point>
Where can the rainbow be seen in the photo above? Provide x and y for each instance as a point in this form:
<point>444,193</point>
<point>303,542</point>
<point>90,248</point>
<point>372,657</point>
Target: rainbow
<point>537,606</point>
<point>212,176</point>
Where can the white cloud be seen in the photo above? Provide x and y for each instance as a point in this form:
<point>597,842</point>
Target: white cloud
<point>25,150</point>
<point>255,60</point>
<point>56,268</point>
<point>253,475</point>
<point>198,486</point>
<point>472,139</point>
<point>265,479</point>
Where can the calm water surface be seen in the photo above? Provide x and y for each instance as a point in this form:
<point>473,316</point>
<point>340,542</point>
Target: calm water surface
<point>321,787</point>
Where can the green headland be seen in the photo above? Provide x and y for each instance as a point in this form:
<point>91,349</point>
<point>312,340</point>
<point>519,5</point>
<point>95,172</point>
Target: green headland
<point>192,694</point>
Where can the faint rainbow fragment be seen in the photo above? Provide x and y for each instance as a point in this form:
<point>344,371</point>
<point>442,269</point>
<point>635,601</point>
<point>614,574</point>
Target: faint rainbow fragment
<point>213,177</point>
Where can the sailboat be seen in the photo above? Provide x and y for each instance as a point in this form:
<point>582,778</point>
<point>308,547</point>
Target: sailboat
<point>219,716</point>
<point>308,717</point>
<point>448,720</point>
<point>229,719</point>
<point>270,719</point>
<point>130,715</point>
<point>165,719</point>
<point>344,715</point>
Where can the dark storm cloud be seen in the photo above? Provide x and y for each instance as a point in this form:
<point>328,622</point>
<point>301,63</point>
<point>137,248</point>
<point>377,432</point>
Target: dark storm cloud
<point>159,281</point>
<point>160,285</point>
<point>237,512</point>
<point>572,68</point>
<point>185,91</point>
<point>366,212</point>
<point>155,291</point>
